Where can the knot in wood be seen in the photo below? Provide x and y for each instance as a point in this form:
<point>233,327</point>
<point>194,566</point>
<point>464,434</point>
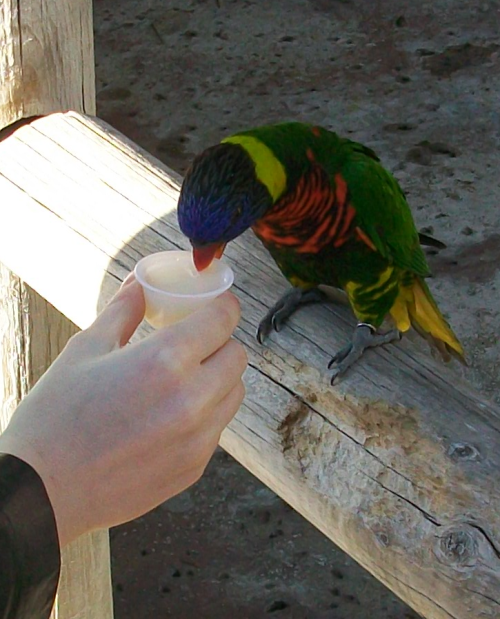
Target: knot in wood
<point>459,548</point>
<point>382,538</point>
<point>463,451</point>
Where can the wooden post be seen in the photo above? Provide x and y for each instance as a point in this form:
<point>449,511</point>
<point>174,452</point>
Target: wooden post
<point>47,65</point>
<point>398,464</point>
<point>46,58</point>
<point>32,333</point>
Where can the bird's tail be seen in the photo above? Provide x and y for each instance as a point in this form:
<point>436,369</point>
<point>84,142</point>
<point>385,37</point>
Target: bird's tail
<point>415,307</point>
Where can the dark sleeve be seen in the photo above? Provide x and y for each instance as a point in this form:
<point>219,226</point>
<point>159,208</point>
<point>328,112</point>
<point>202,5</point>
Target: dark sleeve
<point>29,548</point>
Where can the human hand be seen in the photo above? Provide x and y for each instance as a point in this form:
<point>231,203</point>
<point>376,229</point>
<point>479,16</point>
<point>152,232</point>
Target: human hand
<point>115,430</point>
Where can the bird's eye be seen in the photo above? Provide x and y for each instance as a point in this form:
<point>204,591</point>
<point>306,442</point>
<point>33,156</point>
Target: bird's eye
<point>236,215</point>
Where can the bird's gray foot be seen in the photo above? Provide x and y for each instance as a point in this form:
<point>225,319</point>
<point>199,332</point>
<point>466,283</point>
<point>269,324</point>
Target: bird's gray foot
<point>365,336</point>
<point>285,307</point>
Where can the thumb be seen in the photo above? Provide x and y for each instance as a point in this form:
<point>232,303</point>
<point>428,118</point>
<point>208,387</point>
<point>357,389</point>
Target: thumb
<point>117,322</point>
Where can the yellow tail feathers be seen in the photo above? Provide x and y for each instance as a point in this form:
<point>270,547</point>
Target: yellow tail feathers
<point>415,307</point>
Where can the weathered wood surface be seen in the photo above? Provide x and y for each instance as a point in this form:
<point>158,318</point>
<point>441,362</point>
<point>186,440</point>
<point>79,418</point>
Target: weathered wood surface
<point>47,65</point>
<point>14,330</point>
<point>46,58</point>
<point>398,465</point>
<point>85,587</point>
<point>32,334</point>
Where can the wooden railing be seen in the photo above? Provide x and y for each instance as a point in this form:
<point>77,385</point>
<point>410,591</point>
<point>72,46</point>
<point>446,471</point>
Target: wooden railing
<point>398,465</point>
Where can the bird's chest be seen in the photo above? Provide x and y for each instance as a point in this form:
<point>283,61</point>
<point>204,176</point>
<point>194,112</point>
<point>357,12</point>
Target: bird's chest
<point>306,269</point>
<point>313,216</point>
<point>312,232</point>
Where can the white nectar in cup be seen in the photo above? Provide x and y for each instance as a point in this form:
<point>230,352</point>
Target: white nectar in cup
<point>173,288</point>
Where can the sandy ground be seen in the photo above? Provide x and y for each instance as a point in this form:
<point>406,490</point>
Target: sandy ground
<point>417,81</point>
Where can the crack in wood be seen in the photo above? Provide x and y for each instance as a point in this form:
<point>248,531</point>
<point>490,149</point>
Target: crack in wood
<point>487,537</point>
<point>294,419</point>
<point>420,593</point>
<point>483,595</point>
<point>424,513</point>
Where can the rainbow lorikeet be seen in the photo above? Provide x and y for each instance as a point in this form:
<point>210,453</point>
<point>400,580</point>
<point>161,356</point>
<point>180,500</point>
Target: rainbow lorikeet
<point>329,213</point>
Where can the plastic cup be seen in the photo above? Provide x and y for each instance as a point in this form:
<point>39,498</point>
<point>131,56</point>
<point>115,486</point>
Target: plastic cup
<point>173,288</point>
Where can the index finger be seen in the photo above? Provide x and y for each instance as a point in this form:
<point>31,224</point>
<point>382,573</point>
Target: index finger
<point>206,330</point>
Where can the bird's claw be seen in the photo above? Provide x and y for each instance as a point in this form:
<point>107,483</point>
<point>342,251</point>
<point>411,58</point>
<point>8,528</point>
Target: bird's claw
<point>336,374</point>
<point>340,356</point>
<point>276,322</point>
<point>274,319</point>
<point>364,337</point>
<point>263,331</point>
<point>277,316</point>
<point>266,325</point>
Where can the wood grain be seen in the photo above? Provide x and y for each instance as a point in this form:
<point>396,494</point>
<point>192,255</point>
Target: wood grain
<point>46,65</point>
<point>398,465</point>
<point>32,334</point>
<point>46,58</point>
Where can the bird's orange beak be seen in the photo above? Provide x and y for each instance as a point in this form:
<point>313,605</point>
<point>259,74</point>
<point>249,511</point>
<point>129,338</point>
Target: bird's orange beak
<point>203,256</point>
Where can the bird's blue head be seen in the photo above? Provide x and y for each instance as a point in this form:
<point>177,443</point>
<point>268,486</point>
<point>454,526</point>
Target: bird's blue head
<point>221,197</point>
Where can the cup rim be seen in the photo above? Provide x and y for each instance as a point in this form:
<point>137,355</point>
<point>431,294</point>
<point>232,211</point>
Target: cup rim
<point>201,295</point>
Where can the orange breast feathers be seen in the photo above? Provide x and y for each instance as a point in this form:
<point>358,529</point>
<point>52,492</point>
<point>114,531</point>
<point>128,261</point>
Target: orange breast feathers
<point>315,214</point>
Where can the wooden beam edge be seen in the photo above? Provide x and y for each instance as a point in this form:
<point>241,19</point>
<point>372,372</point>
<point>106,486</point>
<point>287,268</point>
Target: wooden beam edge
<point>418,508</point>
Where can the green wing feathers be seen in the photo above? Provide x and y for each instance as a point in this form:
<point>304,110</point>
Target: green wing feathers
<point>384,213</point>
